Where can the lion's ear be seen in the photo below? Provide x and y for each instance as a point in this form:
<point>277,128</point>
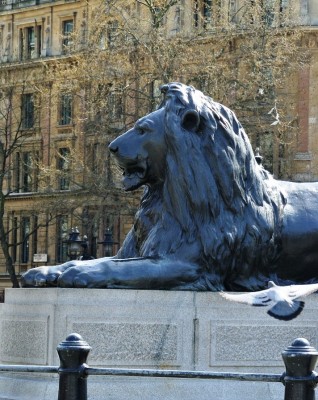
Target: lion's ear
<point>190,120</point>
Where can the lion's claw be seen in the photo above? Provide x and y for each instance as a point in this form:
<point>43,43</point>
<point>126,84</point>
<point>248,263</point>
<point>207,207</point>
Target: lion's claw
<point>40,282</point>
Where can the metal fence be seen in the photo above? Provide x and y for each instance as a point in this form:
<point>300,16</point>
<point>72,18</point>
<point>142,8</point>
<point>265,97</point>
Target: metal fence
<point>299,379</point>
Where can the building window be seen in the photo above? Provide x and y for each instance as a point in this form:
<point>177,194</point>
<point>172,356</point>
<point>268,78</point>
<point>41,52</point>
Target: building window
<point>263,12</point>
<point>62,236</point>
<point>14,239</point>
<point>1,39</point>
<point>21,44</point>
<point>30,42</point>
<point>67,35</point>
<point>25,239</point>
<point>196,13</point>
<point>63,165</point>
<point>27,111</point>
<point>35,235</point>
<point>66,109</point>
<point>26,172</point>
<point>154,94</point>
<point>93,159</point>
<point>232,11</point>
<point>268,13</point>
<point>115,105</point>
<point>112,33</point>
<point>283,12</point>
<point>178,22</point>
<point>283,5</point>
<point>206,13</point>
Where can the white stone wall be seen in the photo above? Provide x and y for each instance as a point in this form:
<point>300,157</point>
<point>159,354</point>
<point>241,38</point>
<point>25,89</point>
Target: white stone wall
<point>148,329</point>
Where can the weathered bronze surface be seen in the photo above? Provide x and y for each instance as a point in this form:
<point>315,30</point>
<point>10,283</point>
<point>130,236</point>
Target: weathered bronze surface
<point>211,218</point>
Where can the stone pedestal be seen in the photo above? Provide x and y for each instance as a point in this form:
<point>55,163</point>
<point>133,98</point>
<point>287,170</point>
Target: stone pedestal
<point>147,329</point>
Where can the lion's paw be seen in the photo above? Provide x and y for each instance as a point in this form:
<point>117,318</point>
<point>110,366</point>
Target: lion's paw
<point>84,276</point>
<point>44,276</point>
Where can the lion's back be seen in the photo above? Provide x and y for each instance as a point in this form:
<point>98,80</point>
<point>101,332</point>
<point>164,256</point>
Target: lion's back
<point>299,232</point>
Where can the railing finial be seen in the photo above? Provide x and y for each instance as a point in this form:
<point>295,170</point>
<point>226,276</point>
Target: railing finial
<point>300,360</point>
<point>73,352</point>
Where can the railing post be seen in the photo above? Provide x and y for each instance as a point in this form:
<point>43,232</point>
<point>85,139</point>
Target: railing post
<point>73,352</point>
<point>300,360</point>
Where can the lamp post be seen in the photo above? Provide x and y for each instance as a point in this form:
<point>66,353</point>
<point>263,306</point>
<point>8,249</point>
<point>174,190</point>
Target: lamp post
<point>108,243</point>
<point>75,244</point>
<point>86,255</point>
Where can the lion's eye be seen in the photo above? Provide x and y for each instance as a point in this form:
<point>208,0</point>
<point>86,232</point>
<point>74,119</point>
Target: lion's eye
<point>141,130</point>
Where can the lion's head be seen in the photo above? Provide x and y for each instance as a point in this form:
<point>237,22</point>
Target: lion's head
<point>141,151</point>
<point>207,200</point>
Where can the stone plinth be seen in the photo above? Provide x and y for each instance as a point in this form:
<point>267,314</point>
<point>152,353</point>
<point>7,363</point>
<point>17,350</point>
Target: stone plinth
<point>147,329</point>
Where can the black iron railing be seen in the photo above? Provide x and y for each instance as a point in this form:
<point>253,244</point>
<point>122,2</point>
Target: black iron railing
<point>299,379</point>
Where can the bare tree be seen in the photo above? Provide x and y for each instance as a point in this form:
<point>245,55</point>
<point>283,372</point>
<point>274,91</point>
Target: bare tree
<point>242,56</point>
<point>19,116</point>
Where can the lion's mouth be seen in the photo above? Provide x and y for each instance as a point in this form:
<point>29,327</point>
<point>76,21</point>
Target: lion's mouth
<point>134,176</point>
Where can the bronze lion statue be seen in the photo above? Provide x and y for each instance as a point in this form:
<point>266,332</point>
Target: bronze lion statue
<point>210,217</point>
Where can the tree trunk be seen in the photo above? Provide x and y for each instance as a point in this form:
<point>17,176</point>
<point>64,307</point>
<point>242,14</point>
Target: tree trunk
<point>5,245</point>
<point>9,262</point>
<point>11,272</point>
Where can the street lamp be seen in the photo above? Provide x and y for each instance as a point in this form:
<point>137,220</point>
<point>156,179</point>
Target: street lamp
<point>108,243</point>
<point>75,245</point>
<point>86,255</point>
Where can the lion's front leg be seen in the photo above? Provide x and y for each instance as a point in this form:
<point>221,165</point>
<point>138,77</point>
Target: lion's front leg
<point>87,274</point>
<point>133,273</point>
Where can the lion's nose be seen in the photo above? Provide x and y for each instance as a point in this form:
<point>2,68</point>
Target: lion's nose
<point>113,146</point>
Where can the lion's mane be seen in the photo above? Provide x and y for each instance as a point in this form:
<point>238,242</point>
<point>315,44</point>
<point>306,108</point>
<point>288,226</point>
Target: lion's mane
<point>217,207</point>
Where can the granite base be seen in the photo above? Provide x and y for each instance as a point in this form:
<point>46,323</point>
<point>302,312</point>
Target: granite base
<point>147,329</point>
